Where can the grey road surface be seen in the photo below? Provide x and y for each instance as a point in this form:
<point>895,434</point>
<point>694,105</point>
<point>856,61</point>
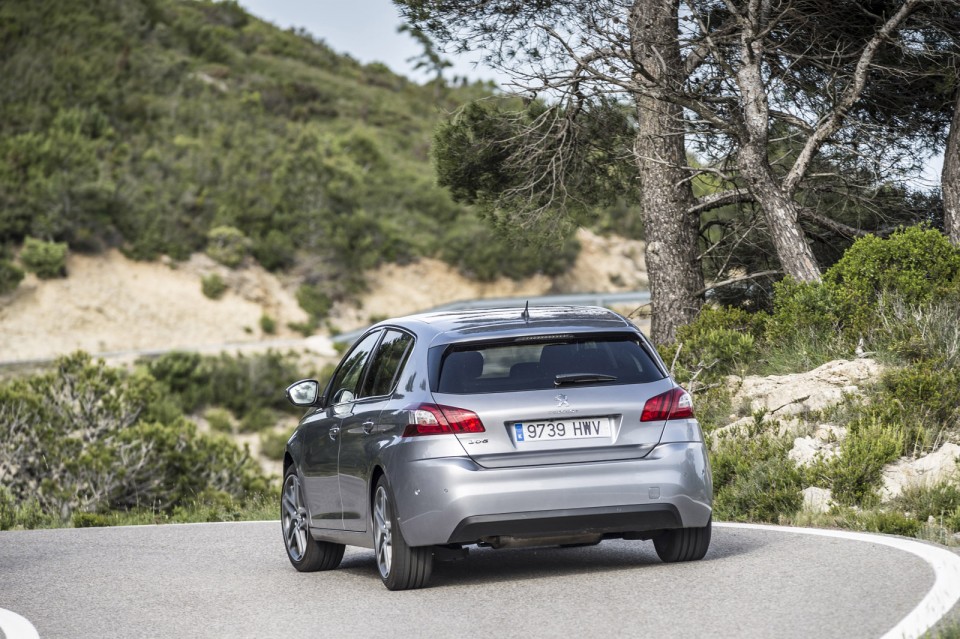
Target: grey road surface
<point>233,580</point>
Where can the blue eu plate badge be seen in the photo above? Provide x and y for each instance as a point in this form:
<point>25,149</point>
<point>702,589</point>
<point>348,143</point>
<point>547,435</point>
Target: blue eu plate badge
<point>519,428</point>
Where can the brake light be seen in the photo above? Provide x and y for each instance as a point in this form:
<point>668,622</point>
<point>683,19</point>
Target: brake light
<point>674,404</point>
<point>434,419</point>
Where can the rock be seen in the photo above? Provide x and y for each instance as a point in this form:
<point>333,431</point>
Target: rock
<point>938,466</point>
<point>817,500</point>
<point>823,444</point>
<point>781,395</point>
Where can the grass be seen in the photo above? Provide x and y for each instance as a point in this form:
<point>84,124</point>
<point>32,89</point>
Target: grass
<point>253,508</point>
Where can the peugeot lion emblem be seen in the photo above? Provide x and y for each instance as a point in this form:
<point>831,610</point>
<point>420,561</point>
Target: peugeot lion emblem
<point>562,401</point>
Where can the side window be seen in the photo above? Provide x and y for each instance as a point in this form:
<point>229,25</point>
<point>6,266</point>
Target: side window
<point>386,363</point>
<point>351,368</point>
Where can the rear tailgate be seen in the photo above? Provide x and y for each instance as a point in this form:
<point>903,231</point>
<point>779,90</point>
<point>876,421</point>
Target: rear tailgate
<point>568,424</point>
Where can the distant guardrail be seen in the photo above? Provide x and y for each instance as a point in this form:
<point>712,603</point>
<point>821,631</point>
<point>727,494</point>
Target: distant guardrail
<point>570,299</point>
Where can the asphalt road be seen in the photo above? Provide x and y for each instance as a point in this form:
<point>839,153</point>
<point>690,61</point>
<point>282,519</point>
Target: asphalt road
<point>234,580</point>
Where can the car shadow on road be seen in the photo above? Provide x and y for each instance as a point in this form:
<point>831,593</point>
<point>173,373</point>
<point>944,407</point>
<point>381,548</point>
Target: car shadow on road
<point>486,565</point>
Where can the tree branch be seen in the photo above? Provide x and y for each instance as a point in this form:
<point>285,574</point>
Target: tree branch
<point>831,122</point>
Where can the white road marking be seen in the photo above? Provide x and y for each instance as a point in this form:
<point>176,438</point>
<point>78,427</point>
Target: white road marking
<point>938,601</point>
<point>16,627</point>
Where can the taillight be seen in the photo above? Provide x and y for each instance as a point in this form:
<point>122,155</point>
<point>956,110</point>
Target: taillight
<point>674,404</point>
<point>434,419</point>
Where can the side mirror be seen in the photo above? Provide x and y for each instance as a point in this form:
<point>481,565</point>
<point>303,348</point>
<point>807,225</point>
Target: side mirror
<point>303,393</point>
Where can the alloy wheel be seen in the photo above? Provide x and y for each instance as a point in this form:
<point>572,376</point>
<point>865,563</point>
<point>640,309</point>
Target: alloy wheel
<point>294,518</point>
<point>383,535</point>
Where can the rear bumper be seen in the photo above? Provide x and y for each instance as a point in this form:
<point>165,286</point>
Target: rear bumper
<point>453,500</point>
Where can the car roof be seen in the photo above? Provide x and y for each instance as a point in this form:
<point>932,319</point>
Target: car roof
<point>455,326</point>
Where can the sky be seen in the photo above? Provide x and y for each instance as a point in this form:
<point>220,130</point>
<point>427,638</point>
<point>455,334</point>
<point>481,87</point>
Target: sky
<point>364,29</point>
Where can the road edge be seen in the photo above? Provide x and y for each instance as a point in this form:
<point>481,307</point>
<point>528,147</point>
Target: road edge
<point>935,605</point>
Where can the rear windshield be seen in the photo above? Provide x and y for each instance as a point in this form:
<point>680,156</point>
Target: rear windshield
<point>534,365</point>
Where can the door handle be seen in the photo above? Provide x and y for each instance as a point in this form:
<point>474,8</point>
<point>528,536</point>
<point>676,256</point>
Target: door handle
<point>368,427</point>
<point>334,432</point>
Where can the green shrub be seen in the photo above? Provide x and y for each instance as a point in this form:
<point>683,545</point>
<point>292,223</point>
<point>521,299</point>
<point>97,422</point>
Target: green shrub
<point>918,332</point>
<point>917,263</point>
<point>227,245</point>
<point>870,444</point>
<point>47,259</point>
<point>718,342</point>
<point>10,277</point>
<point>314,301</point>
<point>89,520</point>
<point>766,491</point>
<point>940,501</point>
<point>220,420</point>
<point>213,286</point>
<point>890,522</point>
<point>926,391</point>
<point>257,420</point>
<point>275,251</point>
<point>273,443</point>
<point>239,383</point>
<point>268,325</point>
<point>801,310</point>
<point>99,452</point>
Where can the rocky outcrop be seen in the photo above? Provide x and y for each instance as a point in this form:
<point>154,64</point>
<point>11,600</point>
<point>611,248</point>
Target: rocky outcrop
<point>781,395</point>
<point>940,465</point>
<point>788,400</point>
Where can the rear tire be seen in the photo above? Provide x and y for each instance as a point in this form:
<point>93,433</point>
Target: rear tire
<point>401,567</point>
<point>683,544</point>
<point>305,553</point>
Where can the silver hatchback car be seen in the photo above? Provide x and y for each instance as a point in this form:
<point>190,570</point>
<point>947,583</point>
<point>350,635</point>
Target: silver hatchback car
<point>500,428</point>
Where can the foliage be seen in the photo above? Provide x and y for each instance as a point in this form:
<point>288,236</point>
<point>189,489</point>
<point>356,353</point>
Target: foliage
<point>220,420</point>
<point>752,478</point>
<point>917,263</point>
<point>257,420</point>
<point>870,444</point>
<point>273,443</point>
<point>10,277</point>
<point>240,384</point>
<point>720,341</point>
<point>268,325</point>
<point>213,286</point>
<point>227,245</point>
<point>47,259</point>
<point>314,301</point>
<point>78,438</point>
<point>473,247</point>
<point>192,125</point>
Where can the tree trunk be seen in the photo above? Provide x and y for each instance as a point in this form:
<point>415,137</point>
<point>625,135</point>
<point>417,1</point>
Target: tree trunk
<point>670,230</point>
<point>950,178</point>
<point>781,212</point>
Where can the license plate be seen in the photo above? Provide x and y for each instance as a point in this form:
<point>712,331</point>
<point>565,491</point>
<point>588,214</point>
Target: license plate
<point>539,431</point>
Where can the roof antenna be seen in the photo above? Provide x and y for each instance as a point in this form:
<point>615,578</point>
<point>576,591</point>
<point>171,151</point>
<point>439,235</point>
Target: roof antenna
<point>525,315</point>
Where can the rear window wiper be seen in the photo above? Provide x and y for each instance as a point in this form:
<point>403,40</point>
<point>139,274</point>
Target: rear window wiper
<point>581,378</point>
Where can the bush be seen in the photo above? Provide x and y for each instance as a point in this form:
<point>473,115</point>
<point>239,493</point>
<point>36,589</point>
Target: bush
<point>47,259</point>
<point>870,444</point>
<point>940,501</point>
<point>889,522</point>
<point>801,310</point>
<point>917,264</point>
<point>10,277</point>
<point>99,452</point>
<point>213,286</point>
<point>273,443</point>
<point>765,491</point>
<point>718,342</point>
<point>227,245</point>
<point>220,420</point>
<point>314,301</point>
<point>257,420</point>
<point>268,325</point>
